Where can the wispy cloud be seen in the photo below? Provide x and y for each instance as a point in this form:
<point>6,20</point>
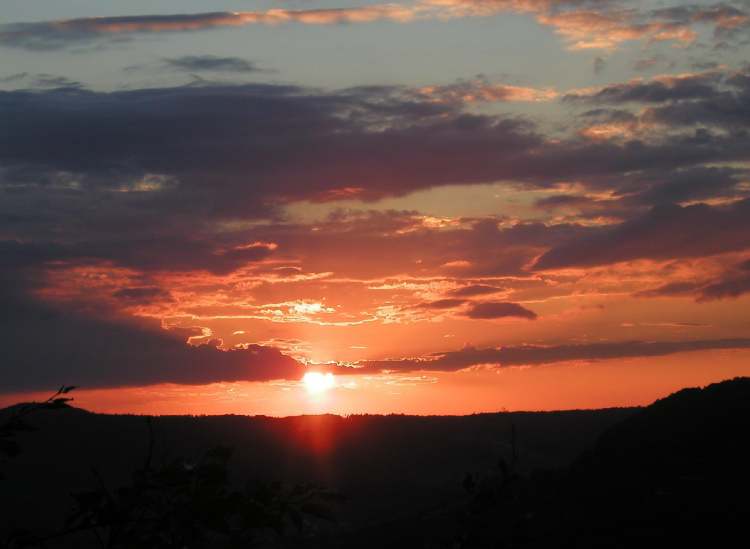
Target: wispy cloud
<point>483,91</point>
<point>665,232</point>
<point>491,310</point>
<point>657,89</point>
<point>55,34</point>
<point>533,355</point>
<point>212,63</point>
<point>582,24</point>
<point>587,30</point>
<point>733,282</point>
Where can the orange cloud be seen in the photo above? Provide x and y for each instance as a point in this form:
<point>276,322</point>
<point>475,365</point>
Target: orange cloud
<point>604,132</point>
<point>481,91</point>
<point>181,22</point>
<point>600,28</point>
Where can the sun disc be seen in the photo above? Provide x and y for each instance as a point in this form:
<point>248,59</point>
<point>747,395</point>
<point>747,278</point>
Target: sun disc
<point>316,382</point>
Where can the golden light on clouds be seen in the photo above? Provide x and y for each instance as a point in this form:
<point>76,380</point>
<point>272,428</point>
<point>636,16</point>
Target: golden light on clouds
<point>542,182</point>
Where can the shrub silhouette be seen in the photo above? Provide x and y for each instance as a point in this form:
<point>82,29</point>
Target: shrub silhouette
<point>17,421</point>
<point>496,502</point>
<point>179,504</point>
<point>673,473</point>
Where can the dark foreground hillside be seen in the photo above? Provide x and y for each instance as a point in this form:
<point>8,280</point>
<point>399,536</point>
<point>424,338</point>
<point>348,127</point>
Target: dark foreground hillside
<point>674,471</point>
<point>673,474</point>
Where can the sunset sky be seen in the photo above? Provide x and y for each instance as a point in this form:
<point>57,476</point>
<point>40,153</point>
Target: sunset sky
<point>451,206</point>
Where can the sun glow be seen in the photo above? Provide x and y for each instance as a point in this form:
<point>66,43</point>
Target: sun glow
<point>316,383</point>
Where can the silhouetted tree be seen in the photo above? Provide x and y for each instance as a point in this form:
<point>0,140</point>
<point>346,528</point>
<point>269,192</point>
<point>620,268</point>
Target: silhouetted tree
<point>179,504</point>
<point>17,421</point>
<point>496,503</point>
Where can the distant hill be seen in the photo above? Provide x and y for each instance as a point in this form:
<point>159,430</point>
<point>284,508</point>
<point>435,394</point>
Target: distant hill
<point>672,472</point>
<point>388,466</point>
<point>675,473</point>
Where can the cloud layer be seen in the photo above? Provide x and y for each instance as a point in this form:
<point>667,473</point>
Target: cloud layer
<point>530,355</point>
<point>220,232</point>
<point>582,24</point>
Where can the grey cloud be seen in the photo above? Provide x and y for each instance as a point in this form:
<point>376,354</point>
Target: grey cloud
<point>45,347</point>
<point>212,63</point>
<point>654,91</point>
<point>532,355</point>
<point>498,309</point>
<point>732,283</point>
<point>162,165</point>
<point>665,232</point>
<point>443,304</point>
<point>50,35</point>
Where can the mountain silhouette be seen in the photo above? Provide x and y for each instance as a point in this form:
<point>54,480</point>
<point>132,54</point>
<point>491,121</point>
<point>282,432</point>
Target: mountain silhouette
<point>672,472</point>
<point>675,472</point>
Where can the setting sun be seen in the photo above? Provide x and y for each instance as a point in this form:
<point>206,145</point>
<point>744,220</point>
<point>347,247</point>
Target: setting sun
<point>315,382</point>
